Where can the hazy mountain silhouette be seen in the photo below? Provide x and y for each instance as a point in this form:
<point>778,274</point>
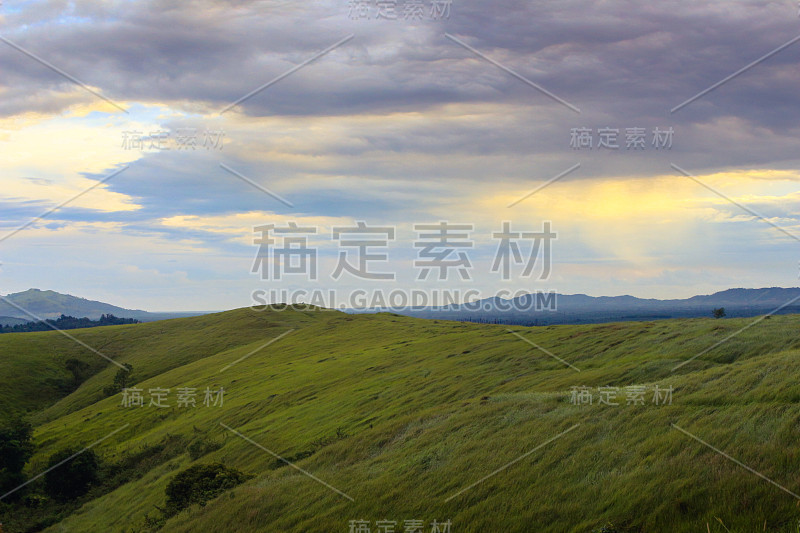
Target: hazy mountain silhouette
<point>580,308</point>
<point>51,304</point>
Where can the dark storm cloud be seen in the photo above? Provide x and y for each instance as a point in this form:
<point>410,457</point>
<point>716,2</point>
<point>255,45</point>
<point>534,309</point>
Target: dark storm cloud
<point>607,56</point>
<point>623,63</point>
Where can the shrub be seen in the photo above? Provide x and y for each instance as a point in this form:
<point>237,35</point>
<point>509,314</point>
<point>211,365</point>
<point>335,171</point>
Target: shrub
<point>80,370</point>
<point>73,478</point>
<point>121,381</point>
<point>199,484</point>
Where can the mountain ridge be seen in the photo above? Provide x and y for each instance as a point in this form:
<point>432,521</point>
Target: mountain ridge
<point>48,304</point>
<point>569,308</point>
<point>583,309</point>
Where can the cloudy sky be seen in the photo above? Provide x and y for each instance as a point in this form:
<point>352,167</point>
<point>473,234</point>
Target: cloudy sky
<point>419,111</point>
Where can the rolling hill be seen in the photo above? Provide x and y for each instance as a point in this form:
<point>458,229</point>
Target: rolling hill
<point>388,417</point>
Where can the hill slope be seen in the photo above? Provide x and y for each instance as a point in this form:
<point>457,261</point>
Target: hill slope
<point>424,420</point>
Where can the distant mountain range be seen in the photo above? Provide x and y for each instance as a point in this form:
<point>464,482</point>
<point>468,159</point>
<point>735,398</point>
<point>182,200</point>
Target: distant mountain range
<point>51,304</point>
<point>552,308</point>
<point>583,309</point>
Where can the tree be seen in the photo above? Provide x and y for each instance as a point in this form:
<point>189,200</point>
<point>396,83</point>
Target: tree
<point>79,370</point>
<point>121,381</point>
<point>16,449</point>
<point>719,313</point>
<point>74,477</point>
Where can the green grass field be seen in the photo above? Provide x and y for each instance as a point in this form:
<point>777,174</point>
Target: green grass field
<point>407,419</point>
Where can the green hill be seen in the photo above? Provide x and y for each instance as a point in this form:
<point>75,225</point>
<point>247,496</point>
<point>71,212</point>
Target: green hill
<point>396,418</point>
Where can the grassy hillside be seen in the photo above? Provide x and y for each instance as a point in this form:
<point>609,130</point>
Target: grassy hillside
<point>401,415</point>
<point>37,361</point>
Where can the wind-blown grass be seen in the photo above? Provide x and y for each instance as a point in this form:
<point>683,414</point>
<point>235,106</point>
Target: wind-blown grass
<point>401,414</point>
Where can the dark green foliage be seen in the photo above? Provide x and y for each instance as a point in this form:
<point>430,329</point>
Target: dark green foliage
<point>68,322</point>
<point>121,381</point>
<point>16,449</point>
<point>33,511</point>
<point>199,484</point>
<point>719,313</point>
<point>73,478</point>
<point>80,370</point>
<point>154,523</point>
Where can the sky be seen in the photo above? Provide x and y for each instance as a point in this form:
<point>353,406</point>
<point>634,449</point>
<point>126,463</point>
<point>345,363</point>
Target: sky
<point>167,132</point>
